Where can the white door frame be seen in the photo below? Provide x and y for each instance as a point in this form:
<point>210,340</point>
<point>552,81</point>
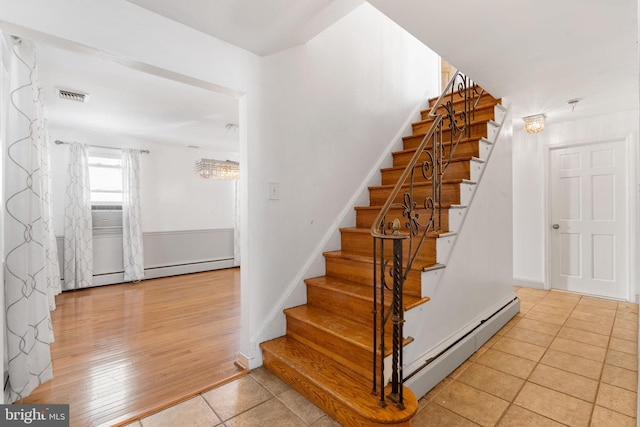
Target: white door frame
<point>632,195</point>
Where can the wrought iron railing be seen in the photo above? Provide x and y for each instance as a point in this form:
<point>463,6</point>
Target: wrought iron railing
<point>452,115</point>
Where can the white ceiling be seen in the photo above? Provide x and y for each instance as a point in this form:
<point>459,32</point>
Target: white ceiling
<point>262,27</point>
<point>132,103</point>
<point>538,53</point>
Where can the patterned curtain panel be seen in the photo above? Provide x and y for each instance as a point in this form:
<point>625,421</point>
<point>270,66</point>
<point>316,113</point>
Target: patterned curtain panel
<point>132,250</point>
<point>30,282</point>
<point>52,268</point>
<point>78,227</point>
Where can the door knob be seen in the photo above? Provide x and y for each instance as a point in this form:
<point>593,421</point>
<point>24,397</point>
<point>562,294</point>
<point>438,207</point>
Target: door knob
<point>555,226</point>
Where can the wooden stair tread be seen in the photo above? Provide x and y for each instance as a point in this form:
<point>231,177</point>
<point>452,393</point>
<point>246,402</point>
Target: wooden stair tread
<point>379,207</point>
<point>335,284</point>
<point>419,166</point>
<point>422,184</point>
<point>336,382</point>
<point>486,103</point>
<point>479,107</point>
<point>445,143</point>
<point>462,141</point>
<point>491,102</point>
<point>471,123</point>
<point>356,230</point>
<point>369,259</point>
<point>359,334</point>
<point>459,100</point>
<point>354,257</point>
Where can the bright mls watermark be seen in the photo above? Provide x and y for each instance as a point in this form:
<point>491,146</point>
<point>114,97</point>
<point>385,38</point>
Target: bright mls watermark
<point>34,415</point>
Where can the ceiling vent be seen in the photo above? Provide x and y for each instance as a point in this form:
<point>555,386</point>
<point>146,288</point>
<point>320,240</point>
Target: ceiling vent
<point>72,95</point>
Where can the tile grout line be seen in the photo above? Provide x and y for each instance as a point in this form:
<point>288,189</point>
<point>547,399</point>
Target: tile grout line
<point>526,380</point>
<point>212,410</point>
<point>604,362</point>
<point>224,422</point>
<point>283,403</point>
<point>296,413</point>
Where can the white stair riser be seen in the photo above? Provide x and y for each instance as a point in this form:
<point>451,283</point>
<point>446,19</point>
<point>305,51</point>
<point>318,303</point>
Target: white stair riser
<point>493,129</point>
<point>466,192</point>
<point>500,113</point>
<point>456,216</point>
<point>475,170</point>
<point>430,280</point>
<point>485,149</point>
<point>444,245</point>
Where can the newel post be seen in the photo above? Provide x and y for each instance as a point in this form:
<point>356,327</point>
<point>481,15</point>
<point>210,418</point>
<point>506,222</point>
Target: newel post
<point>396,394</point>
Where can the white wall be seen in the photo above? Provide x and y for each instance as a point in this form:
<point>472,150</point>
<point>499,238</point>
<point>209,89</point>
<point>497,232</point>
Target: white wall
<point>331,107</point>
<point>529,185</point>
<point>173,197</point>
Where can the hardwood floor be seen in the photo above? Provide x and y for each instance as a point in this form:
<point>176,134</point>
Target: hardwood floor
<point>122,351</point>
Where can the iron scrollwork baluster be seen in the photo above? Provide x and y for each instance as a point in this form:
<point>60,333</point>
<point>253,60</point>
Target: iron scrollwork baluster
<point>432,156</point>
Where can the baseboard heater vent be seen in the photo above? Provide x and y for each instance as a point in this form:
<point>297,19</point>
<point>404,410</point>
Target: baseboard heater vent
<point>166,271</point>
<point>188,264</point>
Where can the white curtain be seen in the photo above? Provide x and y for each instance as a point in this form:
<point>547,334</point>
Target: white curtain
<point>52,267</point>
<point>236,228</point>
<point>78,227</point>
<point>31,279</point>
<point>132,251</point>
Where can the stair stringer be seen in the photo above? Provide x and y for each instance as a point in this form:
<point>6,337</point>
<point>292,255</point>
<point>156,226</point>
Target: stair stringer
<point>477,282</point>
<point>457,213</point>
<point>446,241</point>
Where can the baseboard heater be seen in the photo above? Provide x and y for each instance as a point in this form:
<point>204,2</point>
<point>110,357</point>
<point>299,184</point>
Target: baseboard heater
<point>165,271</point>
<point>436,368</point>
<point>168,253</point>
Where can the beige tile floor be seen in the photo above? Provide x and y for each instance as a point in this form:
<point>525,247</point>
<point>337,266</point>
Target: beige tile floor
<point>565,359</point>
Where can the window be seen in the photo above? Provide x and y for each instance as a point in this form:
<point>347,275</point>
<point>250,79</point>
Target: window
<point>105,176</point>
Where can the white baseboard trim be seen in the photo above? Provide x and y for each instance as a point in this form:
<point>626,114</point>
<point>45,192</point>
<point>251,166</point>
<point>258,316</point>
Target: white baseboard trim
<point>175,270</point>
<point>527,283</point>
<point>428,377</point>
<point>172,270</point>
<point>243,360</point>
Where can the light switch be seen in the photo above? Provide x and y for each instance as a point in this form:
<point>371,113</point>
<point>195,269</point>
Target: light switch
<point>274,191</point>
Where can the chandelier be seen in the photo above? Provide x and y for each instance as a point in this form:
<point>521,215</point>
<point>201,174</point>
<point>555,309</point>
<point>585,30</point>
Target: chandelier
<point>218,169</point>
<point>534,124</point>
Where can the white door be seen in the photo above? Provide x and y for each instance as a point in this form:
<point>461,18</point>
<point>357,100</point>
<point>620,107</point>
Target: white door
<point>588,204</point>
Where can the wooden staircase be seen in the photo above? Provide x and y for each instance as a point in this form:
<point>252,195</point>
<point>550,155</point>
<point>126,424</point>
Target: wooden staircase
<point>327,353</point>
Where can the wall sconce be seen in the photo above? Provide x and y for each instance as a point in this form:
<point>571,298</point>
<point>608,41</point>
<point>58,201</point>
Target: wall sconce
<point>534,124</point>
<point>218,169</point>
